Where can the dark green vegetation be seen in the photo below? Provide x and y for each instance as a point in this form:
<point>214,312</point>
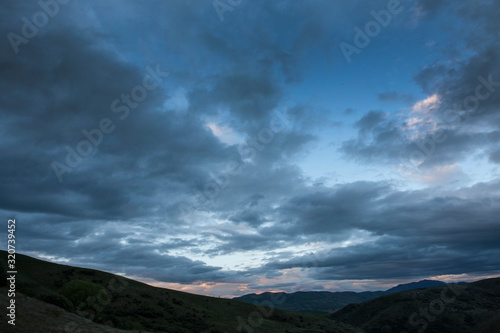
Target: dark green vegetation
<point>472,307</point>
<point>325,302</point>
<point>122,303</point>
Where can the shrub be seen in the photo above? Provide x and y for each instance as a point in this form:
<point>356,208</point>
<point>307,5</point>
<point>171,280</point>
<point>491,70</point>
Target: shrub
<point>83,294</point>
<point>177,301</point>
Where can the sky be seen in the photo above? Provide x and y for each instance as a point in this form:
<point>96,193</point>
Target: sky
<point>230,147</point>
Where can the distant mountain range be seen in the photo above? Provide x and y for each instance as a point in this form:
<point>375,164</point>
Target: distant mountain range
<point>325,302</point>
<point>461,308</point>
<point>61,299</point>
<point>415,285</point>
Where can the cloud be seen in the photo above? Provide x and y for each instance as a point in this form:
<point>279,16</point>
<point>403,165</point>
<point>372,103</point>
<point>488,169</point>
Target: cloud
<point>445,128</point>
<point>224,134</point>
<point>431,6</point>
<point>396,97</point>
<point>495,156</point>
<point>198,177</point>
<point>442,174</point>
<point>426,105</point>
<point>420,231</point>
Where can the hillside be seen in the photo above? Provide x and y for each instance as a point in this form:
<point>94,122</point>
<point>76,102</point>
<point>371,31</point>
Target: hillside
<point>415,285</point>
<point>313,300</point>
<point>122,303</point>
<point>327,302</point>
<point>472,307</point>
<point>34,315</point>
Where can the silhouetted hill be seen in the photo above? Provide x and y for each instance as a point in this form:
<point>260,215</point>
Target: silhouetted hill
<point>327,302</point>
<point>470,307</point>
<point>416,285</point>
<point>59,298</point>
<point>313,300</point>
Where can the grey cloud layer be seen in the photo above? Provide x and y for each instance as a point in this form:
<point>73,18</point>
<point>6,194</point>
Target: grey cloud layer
<point>118,210</point>
<point>469,96</point>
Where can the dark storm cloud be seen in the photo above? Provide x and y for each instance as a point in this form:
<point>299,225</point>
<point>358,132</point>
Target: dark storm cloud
<point>395,260</point>
<point>250,217</point>
<point>495,156</point>
<point>378,139</point>
<point>369,121</point>
<point>119,247</point>
<point>461,85</point>
<point>145,262</point>
<point>49,101</point>
<point>119,209</point>
<point>66,79</point>
<point>425,233</point>
<point>248,97</point>
<point>234,242</point>
<point>469,95</point>
<point>457,82</point>
<point>330,211</point>
<point>483,13</point>
<point>383,141</point>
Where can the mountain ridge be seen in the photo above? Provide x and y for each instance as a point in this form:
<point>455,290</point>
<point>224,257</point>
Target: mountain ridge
<point>328,301</point>
<point>416,285</point>
<point>453,308</point>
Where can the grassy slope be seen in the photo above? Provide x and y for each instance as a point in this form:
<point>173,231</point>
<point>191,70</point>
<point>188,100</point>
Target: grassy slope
<point>35,316</point>
<point>474,308</point>
<point>137,305</point>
